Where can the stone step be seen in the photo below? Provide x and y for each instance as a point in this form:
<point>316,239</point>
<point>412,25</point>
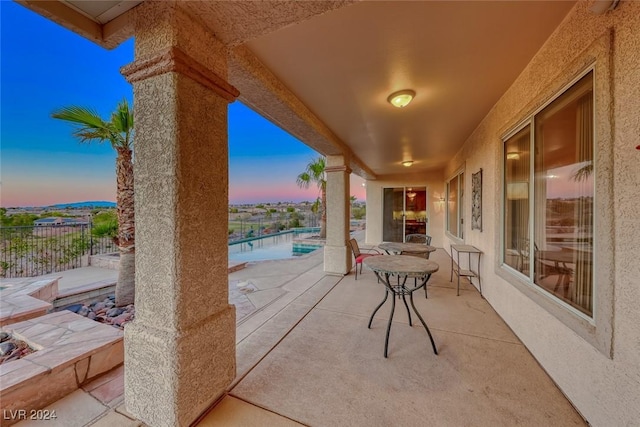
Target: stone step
<point>71,351</point>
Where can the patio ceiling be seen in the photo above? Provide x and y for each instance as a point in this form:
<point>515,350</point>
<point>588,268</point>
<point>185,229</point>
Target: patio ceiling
<point>323,70</point>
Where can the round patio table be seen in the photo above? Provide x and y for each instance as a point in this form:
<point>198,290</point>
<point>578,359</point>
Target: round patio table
<point>407,248</point>
<point>402,266</point>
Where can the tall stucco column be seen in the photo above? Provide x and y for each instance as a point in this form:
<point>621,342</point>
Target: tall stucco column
<point>180,350</point>
<point>337,254</point>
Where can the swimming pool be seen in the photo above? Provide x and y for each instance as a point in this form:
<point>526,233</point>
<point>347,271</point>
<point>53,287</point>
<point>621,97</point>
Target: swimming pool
<point>276,246</point>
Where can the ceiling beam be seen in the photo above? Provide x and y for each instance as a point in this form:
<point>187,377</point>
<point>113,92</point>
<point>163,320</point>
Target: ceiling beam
<point>66,16</point>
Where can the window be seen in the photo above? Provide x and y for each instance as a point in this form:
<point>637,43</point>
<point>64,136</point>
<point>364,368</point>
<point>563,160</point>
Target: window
<point>455,206</point>
<point>548,198</point>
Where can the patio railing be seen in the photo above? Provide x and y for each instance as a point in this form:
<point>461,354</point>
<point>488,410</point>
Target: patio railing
<point>28,251</point>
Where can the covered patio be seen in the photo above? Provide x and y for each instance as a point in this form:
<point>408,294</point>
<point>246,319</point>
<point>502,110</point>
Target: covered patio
<point>483,74</point>
<point>307,358</point>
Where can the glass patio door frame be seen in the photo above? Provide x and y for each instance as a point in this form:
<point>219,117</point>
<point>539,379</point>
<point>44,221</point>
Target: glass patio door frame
<point>403,213</point>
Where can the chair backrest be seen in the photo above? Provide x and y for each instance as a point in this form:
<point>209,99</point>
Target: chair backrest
<point>354,247</point>
<point>523,247</point>
<point>418,238</point>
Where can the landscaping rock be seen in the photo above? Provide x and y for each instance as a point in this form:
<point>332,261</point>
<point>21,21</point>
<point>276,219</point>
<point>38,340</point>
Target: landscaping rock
<point>106,312</point>
<point>114,312</point>
<point>97,306</point>
<point>13,349</point>
<point>6,348</point>
<point>74,308</point>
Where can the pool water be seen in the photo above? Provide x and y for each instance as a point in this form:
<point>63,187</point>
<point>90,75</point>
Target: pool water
<point>280,251</point>
<point>278,246</point>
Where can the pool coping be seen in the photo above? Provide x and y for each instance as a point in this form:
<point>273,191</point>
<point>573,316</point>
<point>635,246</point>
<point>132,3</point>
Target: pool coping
<point>22,299</point>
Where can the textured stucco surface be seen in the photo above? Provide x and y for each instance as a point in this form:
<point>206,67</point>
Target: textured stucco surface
<point>172,377</point>
<point>180,350</point>
<point>337,255</point>
<point>160,25</point>
<point>235,22</point>
<point>435,209</point>
<point>596,365</point>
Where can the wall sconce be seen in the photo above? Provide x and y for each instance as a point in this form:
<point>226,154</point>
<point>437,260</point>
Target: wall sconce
<point>407,163</point>
<point>513,155</point>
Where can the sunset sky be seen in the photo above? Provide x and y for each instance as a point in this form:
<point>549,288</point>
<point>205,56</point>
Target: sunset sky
<point>44,67</point>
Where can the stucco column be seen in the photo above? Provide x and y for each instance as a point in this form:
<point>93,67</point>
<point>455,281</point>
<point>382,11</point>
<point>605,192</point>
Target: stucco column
<point>337,254</point>
<point>180,350</point>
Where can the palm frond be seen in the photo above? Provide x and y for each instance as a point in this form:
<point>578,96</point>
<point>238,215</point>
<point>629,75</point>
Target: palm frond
<point>85,135</point>
<point>583,173</point>
<point>315,172</point>
<point>316,169</point>
<point>316,206</point>
<point>79,115</point>
<point>122,121</point>
<point>89,126</point>
<point>303,180</point>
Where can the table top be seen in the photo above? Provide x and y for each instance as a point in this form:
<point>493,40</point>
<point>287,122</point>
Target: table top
<point>414,248</point>
<point>401,265</point>
<point>558,256</point>
<point>466,248</point>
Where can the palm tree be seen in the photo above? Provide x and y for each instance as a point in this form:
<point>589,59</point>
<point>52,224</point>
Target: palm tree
<point>118,131</point>
<point>315,173</point>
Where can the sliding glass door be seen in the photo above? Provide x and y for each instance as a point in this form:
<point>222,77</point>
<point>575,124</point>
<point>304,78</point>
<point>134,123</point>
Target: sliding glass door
<point>404,212</point>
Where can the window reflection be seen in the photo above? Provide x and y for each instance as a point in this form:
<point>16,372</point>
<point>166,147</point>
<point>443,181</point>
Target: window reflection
<point>561,190</point>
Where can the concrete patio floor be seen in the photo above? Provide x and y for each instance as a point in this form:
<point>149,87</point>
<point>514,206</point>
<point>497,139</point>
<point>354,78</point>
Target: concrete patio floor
<point>330,369</point>
<point>306,357</point>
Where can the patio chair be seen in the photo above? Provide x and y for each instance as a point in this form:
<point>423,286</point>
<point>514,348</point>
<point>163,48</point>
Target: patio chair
<point>543,268</point>
<point>418,238</point>
<point>546,268</point>
<point>359,256</point>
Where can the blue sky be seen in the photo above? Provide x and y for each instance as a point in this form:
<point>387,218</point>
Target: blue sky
<point>44,67</point>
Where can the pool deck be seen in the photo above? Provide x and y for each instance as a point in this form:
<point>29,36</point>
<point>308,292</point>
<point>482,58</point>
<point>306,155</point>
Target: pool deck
<point>261,292</point>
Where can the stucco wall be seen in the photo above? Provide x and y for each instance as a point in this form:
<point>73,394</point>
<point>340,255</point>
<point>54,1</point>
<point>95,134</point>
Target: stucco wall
<point>435,210</point>
<point>601,378</point>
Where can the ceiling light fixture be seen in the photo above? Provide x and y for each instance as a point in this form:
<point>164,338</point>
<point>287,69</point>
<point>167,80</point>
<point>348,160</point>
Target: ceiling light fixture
<point>401,98</point>
<point>513,156</point>
<point>407,163</point>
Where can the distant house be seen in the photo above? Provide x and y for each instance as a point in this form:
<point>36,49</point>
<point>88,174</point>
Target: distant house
<point>57,221</point>
<point>47,221</point>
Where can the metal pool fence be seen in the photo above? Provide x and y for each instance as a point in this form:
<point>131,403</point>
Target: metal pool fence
<point>28,251</point>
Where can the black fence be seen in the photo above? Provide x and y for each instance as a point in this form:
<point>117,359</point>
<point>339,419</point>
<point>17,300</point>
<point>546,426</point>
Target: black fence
<point>29,251</point>
<point>260,225</point>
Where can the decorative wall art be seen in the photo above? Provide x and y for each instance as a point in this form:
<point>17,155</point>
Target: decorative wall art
<point>476,200</point>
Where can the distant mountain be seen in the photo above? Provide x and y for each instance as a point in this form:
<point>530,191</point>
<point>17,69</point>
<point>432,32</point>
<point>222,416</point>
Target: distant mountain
<point>91,204</point>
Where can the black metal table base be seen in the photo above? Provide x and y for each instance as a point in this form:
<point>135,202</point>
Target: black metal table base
<point>400,290</point>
